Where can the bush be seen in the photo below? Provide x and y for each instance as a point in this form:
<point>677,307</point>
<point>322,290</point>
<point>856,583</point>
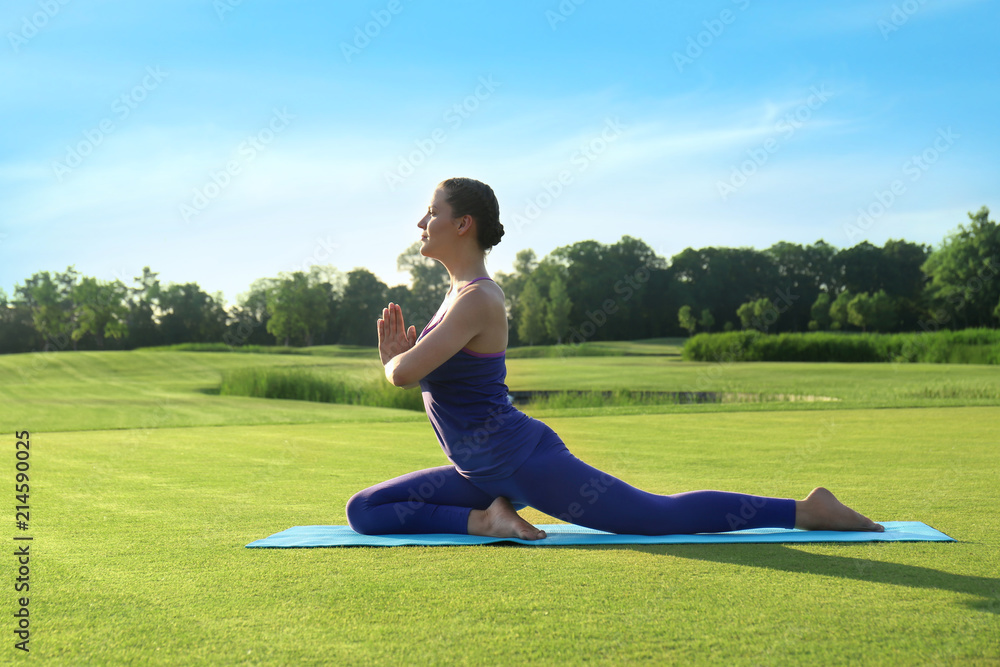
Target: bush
<point>968,346</point>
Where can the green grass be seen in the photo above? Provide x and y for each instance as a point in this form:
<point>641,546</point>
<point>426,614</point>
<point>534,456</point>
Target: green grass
<point>149,389</point>
<point>146,486</point>
<point>672,347</point>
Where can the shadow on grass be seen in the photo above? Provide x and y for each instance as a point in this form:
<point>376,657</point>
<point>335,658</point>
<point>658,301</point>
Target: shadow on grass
<point>786,559</point>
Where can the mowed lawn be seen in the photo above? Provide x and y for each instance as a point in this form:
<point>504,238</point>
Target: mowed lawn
<point>140,532</point>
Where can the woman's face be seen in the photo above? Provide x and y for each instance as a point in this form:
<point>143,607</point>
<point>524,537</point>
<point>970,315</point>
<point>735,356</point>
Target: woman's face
<point>435,225</point>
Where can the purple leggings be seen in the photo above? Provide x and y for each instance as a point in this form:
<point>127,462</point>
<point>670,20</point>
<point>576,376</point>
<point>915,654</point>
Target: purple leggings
<point>553,481</point>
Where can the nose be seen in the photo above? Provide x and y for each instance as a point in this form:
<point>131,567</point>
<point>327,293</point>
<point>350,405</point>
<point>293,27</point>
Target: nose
<point>423,222</point>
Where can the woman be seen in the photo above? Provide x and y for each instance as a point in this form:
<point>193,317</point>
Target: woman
<point>501,458</point>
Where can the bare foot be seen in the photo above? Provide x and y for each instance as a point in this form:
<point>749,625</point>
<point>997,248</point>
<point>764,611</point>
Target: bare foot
<point>822,511</point>
<point>501,520</point>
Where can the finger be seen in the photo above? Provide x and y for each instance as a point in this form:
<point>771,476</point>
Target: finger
<point>397,319</point>
<point>400,326</point>
<point>387,315</point>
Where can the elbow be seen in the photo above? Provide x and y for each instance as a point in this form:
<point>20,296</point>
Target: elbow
<point>398,376</point>
<point>398,380</point>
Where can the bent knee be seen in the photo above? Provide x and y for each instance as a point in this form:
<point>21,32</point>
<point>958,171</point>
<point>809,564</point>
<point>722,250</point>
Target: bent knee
<point>359,513</point>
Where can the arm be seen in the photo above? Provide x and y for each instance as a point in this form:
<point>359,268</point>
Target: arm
<point>407,361</point>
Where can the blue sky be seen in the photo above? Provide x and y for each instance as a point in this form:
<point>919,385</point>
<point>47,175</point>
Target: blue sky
<point>220,141</point>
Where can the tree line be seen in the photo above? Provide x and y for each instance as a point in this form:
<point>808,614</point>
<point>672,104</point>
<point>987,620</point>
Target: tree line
<point>579,292</point>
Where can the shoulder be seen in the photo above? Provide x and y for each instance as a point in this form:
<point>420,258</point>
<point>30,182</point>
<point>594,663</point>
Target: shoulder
<point>479,304</point>
<point>483,296</point>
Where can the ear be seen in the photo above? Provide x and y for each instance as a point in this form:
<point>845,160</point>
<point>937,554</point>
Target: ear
<point>465,224</point>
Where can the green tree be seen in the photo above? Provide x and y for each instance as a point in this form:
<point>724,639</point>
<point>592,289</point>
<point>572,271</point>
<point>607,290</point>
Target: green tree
<point>609,285</point>
<point>429,281</point>
<point>361,305</point>
<point>722,279</point>
<point>820,313</point>
<point>876,311</point>
<point>512,284</point>
<point>250,316</point>
<point>802,271</point>
<point>101,310</point>
<point>964,274</point>
<point>51,303</point>
<point>142,300</point>
<point>557,315</point>
<point>531,327</point>
<point>686,319</point>
<point>886,309</point>
<point>299,308</point>
<point>861,310</point>
<point>838,310</point>
<point>904,281</point>
<point>706,320</point>
<point>16,331</point>
<point>760,314</point>
<point>746,314</point>
<point>190,315</point>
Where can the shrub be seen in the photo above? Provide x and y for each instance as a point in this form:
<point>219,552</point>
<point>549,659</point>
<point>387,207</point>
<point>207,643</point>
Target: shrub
<point>968,346</point>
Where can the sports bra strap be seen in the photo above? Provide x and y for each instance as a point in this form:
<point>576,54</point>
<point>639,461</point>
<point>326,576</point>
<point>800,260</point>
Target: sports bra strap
<point>475,279</point>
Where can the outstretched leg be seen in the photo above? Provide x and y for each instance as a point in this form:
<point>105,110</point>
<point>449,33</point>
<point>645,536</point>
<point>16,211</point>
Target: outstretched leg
<point>559,484</point>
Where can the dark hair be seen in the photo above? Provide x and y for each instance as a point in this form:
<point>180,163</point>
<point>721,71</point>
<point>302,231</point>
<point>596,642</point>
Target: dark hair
<point>467,196</point>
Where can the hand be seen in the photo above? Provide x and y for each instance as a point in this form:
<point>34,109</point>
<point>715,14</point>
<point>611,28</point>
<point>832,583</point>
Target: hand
<point>393,337</point>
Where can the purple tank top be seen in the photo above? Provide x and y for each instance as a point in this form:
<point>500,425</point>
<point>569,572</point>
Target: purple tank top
<point>466,400</point>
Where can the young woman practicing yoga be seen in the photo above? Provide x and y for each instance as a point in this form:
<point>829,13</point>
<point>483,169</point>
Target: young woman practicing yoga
<point>502,459</point>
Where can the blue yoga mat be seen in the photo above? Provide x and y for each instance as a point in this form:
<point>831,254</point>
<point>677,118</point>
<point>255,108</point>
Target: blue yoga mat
<point>564,534</point>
